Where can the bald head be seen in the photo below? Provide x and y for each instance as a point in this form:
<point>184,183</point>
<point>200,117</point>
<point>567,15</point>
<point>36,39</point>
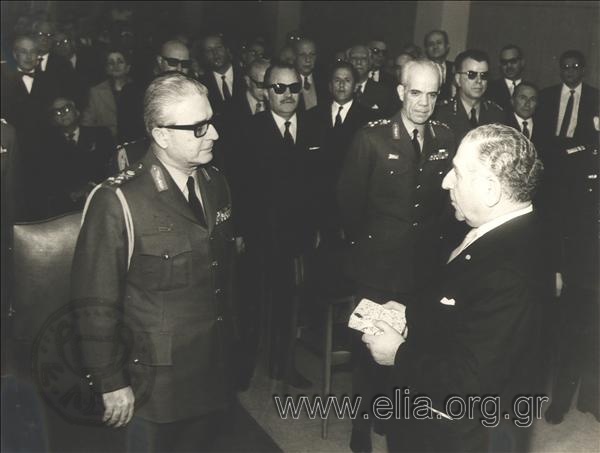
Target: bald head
<point>174,56</point>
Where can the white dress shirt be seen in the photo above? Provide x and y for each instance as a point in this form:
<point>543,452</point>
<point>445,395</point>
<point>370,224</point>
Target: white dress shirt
<point>565,93</point>
<point>43,62</point>
<point>280,121</point>
<point>511,85</point>
<point>335,107</point>
<point>181,178</point>
<point>529,124</point>
<point>27,81</point>
<point>228,80</point>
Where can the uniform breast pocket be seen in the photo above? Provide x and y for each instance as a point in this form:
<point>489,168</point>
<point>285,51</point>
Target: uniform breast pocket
<point>165,261</point>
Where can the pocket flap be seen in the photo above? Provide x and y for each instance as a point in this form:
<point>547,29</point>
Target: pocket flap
<point>164,244</point>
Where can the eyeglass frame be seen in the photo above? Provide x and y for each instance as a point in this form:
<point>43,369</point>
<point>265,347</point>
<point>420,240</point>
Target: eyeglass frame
<point>192,127</point>
<point>564,67</point>
<point>472,75</point>
<point>286,86</point>
<point>62,111</point>
<point>47,35</point>
<point>258,83</point>
<point>185,64</point>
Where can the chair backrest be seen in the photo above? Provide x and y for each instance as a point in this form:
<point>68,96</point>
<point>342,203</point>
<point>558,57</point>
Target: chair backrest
<point>42,257</point>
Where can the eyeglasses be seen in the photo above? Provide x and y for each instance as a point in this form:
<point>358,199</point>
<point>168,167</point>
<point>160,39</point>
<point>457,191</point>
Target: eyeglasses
<point>509,61</point>
<point>279,88</point>
<point>570,66</point>
<point>200,129</point>
<point>62,111</point>
<point>258,84</point>
<point>63,42</point>
<point>377,51</point>
<point>174,62</point>
<point>472,75</point>
<point>47,35</point>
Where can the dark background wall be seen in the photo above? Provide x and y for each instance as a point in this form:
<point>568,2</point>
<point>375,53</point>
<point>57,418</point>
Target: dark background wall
<point>543,29</point>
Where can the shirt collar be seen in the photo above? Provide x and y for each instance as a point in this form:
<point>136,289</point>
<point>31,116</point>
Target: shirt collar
<point>410,127</point>
<point>335,106</point>
<point>76,133</point>
<point>179,176</point>
<point>280,121</point>
<point>228,74</point>
<point>495,223</point>
<point>567,90</point>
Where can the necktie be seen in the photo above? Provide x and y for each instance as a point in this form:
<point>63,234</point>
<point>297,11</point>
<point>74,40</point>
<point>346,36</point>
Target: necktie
<point>306,84</point>
<point>372,75</point>
<point>514,85</point>
<point>259,107</point>
<point>525,129</point>
<point>564,127</point>
<point>226,92</point>
<point>71,138</point>
<point>470,237</point>
<point>473,117</point>
<point>193,201</point>
<point>416,144</point>
<point>338,117</point>
<point>287,135</point>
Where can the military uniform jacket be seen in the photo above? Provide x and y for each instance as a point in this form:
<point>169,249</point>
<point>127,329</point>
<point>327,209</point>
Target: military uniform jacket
<point>453,114</point>
<point>175,296</point>
<point>392,206</point>
<point>477,332</point>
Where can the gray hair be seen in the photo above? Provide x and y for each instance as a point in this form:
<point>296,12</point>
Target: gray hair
<point>511,157</point>
<point>423,63</point>
<point>163,92</point>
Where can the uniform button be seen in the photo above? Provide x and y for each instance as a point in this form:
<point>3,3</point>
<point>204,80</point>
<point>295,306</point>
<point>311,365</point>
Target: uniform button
<point>415,224</point>
<point>590,189</point>
<point>214,263</point>
<point>212,238</point>
<point>136,360</point>
<point>467,257</point>
<point>417,205</point>
<point>370,237</point>
<point>418,186</point>
<point>166,256</point>
<point>90,384</point>
<point>219,318</point>
<point>391,172</point>
<point>218,291</point>
<point>421,169</point>
<point>440,172</point>
<point>352,243</point>
<point>88,376</point>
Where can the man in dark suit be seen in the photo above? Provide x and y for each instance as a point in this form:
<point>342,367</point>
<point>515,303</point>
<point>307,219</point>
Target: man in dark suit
<point>372,95</point>
<point>379,52</point>
<point>392,206</point>
<point>157,243</point>
<point>437,47</point>
<point>225,83</point>
<point>338,121</point>
<point>567,110</point>
<point>477,332</point>
<point>512,63</point>
<point>77,158</point>
<point>314,90</point>
<point>469,108</point>
<point>26,96</point>
<point>173,55</point>
<point>283,145</point>
<point>521,113</point>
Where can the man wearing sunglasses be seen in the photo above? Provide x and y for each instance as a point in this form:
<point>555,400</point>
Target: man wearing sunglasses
<point>283,146</point>
<point>173,56</point>
<point>469,108</point>
<point>157,244</point>
<point>512,64</point>
<point>52,65</point>
<point>379,53</point>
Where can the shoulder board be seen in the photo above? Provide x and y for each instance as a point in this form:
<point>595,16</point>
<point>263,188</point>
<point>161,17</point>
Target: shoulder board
<point>380,122</point>
<point>3,121</point>
<point>126,175</point>
<point>439,123</point>
<point>488,103</point>
<point>215,168</point>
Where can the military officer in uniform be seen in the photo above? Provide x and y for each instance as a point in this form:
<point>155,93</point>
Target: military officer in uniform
<point>392,205</point>
<point>469,109</point>
<point>157,245</point>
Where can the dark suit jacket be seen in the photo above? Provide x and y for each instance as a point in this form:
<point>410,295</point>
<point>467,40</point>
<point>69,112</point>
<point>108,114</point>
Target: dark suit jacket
<point>175,297</point>
<point>214,94</point>
<point>393,206</point>
<point>380,98</point>
<point>485,338</point>
<point>71,168</point>
<point>537,137</point>
<point>549,103</point>
<point>280,182</point>
<point>497,91</point>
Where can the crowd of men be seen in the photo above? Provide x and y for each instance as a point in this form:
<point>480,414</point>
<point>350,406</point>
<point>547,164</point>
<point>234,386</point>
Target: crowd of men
<point>383,157</point>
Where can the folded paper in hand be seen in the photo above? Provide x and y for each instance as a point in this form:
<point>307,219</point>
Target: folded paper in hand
<point>368,312</point>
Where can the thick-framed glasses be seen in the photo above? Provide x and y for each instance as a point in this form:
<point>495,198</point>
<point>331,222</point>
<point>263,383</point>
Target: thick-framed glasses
<point>472,75</point>
<point>509,61</point>
<point>571,66</point>
<point>62,111</point>
<point>257,83</point>
<point>200,129</point>
<point>174,62</point>
<point>279,88</point>
<point>63,42</point>
<point>47,35</point>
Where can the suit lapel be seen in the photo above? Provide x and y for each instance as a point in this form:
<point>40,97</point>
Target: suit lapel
<point>208,203</point>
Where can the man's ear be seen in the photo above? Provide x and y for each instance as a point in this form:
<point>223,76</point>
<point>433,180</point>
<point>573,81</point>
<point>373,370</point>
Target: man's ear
<point>159,134</point>
<point>400,89</point>
<point>457,79</point>
<point>493,191</point>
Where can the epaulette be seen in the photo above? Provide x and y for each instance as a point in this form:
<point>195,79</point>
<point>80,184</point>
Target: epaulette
<point>379,122</point>
<point>125,144</point>
<point>126,175</point>
<point>488,102</point>
<point>439,123</point>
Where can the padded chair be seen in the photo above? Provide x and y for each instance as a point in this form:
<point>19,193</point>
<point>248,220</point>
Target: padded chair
<point>42,256</point>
